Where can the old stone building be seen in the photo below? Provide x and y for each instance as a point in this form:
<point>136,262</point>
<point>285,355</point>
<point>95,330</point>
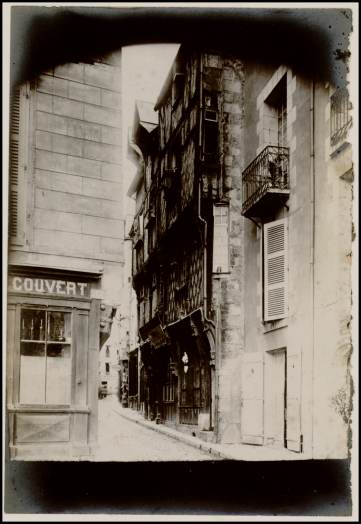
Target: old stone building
<point>66,230</point>
<point>241,256</point>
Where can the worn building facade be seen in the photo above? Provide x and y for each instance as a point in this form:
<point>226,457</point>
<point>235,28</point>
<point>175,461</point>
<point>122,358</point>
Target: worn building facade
<point>65,256</point>
<point>241,256</point>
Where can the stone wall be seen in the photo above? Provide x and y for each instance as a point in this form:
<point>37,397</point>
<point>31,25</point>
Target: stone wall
<point>228,296</point>
<point>74,207</point>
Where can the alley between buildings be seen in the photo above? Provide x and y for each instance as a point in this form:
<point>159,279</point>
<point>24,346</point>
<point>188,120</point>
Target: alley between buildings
<point>121,439</point>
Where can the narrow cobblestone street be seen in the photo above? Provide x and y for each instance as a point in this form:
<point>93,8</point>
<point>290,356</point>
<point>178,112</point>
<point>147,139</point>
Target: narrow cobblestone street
<point>124,440</point>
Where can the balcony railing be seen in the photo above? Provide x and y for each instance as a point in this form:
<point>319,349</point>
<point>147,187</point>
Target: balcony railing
<point>265,181</point>
<point>341,119</point>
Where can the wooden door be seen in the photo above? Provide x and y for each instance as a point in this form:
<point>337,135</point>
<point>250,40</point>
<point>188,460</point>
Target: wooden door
<point>275,398</point>
<point>252,398</point>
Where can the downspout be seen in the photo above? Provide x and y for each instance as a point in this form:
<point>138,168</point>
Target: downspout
<point>204,222</point>
<point>313,232</point>
<point>205,298</point>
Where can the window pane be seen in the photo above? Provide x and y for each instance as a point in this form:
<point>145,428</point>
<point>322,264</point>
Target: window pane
<point>59,326</point>
<point>58,374</point>
<point>32,373</point>
<point>32,324</point>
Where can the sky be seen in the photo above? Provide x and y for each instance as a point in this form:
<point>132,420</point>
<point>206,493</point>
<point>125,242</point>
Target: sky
<point>144,70</point>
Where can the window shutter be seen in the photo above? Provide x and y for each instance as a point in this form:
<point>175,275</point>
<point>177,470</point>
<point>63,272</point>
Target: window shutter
<point>275,270</point>
<point>16,174</point>
<point>14,164</point>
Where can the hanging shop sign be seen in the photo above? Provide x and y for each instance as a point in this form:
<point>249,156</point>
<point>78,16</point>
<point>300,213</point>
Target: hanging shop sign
<point>50,286</point>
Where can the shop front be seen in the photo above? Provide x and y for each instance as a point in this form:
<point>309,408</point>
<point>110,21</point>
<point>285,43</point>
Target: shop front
<point>52,364</point>
<point>193,364</point>
<point>176,373</point>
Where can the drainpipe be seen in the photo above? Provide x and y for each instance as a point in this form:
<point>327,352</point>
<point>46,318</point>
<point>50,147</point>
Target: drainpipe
<point>313,223</point>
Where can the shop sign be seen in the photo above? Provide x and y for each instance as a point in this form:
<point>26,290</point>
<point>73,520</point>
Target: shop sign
<point>48,286</point>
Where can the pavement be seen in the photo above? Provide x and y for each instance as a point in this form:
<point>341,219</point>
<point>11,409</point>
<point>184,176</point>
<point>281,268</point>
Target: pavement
<point>242,452</point>
<point>121,439</point>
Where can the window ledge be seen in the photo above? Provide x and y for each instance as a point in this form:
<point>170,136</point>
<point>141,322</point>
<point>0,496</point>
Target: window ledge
<point>216,274</point>
<point>47,409</point>
<point>273,325</point>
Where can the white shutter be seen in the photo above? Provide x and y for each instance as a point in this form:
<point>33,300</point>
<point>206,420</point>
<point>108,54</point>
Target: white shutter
<point>252,398</point>
<point>275,254</point>
<point>220,239</point>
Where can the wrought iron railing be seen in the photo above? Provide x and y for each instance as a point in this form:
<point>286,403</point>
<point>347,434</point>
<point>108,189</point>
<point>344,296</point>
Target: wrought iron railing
<point>269,170</point>
<point>340,115</point>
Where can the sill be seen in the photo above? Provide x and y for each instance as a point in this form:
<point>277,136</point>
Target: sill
<point>273,325</point>
<point>42,408</point>
<point>220,274</point>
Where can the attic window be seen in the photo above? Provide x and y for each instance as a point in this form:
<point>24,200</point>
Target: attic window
<point>177,87</point>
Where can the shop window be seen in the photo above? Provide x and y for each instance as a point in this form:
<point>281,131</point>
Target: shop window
<point>45,357</point>
<point>220,239</point>
<point>275,241</point>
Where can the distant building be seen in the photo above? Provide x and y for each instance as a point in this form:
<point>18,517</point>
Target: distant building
<point>241,256</point>
<point>66,258</point>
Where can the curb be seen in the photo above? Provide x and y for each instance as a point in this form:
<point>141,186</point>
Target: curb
<point>190,441</point>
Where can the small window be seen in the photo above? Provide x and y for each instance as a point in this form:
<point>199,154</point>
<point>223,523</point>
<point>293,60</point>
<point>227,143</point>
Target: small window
<point>275,242</point>
<point>107,351</point>
<point>177,88</point>
<point>107,368</point>
<point>220,239</point>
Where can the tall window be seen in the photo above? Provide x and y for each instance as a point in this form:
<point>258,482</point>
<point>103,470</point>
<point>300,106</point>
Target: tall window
<point>45,357</point>
<point>210,126</point>
<point>275,115</point>
<point>220,239</point>
<point>275,243</point>
<point>282,119</point>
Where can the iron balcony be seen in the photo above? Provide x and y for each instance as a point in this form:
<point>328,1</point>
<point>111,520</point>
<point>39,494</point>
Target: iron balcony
<point>265,182</point>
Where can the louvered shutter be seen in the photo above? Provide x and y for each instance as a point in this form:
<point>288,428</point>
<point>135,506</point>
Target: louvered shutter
<point>275,242</point>
<point>14,164</point>
<point>16,173</point>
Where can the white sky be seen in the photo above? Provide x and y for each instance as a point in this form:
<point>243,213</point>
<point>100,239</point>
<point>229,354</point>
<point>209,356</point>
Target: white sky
<point>144,70</point>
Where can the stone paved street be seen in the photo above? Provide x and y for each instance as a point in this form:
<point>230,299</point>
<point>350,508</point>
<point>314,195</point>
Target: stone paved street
<point>124,440</point>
